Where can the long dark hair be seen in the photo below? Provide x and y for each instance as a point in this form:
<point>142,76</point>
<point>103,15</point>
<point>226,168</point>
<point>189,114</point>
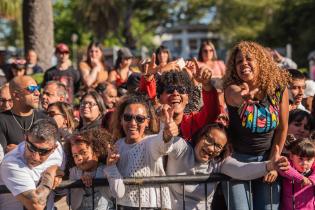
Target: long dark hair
<point>99,46</point>
<point>160,49</point>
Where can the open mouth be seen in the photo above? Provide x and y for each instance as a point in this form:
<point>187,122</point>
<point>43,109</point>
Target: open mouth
<point>246,70</point>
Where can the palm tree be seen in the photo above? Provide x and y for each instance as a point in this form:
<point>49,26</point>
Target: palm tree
<point>38,29</point>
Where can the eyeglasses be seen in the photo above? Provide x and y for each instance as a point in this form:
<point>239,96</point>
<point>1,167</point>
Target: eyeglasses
<point>210,141</point>
<point>138,118</point>
<point>3,100</point>
<point>32,88</point>
<point>88,103</point>
<point>180,89</point>
<point>52,114</point>
<point>32,148</point>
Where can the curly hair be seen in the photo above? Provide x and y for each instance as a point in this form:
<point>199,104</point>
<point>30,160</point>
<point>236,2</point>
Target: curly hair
<point>270,77</point>
<point>98,139</point>
<point>142,99</point>
<point>175,78</point>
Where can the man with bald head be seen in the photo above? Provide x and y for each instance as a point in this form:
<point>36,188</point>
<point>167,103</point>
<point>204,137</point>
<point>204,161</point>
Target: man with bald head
<point>16,122</point>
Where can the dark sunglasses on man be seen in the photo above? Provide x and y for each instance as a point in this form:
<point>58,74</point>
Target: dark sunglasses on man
<point>179,88</point>
<point>32,148</point>
<point>138,118</point>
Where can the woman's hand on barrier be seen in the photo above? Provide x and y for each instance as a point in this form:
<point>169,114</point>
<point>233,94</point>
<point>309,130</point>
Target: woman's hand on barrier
<point>87,180</point>
<point>170,129</point>
<point>112,155</point>
<point>278,162</point>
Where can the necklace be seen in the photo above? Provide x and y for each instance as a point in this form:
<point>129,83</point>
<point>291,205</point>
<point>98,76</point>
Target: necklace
<point>24,129</point>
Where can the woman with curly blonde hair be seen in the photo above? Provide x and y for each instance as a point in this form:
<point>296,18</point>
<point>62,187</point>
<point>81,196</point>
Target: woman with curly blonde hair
<point>257,99</point>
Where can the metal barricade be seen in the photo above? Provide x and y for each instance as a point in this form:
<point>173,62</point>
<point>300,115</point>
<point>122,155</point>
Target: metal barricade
<point>155,181</point>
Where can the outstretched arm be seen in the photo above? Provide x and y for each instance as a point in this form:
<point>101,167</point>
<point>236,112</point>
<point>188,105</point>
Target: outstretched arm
<point>36,199</point>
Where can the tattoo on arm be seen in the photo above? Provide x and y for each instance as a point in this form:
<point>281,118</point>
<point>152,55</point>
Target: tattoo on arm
<point>39,196</point>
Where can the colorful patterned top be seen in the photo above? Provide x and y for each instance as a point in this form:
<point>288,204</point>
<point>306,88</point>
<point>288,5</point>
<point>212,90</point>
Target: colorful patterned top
<point>252,124</point>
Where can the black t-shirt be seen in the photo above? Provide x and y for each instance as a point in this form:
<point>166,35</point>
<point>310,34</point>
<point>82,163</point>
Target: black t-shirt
<point>10,130</point>
<point>70,78</point>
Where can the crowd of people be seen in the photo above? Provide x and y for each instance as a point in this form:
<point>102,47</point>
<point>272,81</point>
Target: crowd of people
<point>250,118</point>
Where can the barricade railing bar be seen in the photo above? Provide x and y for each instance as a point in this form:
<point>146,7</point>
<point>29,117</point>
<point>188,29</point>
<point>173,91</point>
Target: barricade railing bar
<point>155,180</point>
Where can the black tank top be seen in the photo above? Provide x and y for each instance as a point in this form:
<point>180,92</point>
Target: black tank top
<point>252,126</point>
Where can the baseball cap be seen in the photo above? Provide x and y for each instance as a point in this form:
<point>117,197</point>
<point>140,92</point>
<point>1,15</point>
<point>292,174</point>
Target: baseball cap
<point>124,52</point>
<point>62,48</point>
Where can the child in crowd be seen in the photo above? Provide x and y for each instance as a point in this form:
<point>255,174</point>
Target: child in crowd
<point>210,154</point>
<point>87,151</point>
<point>300,193</point>
<point>301,123</point>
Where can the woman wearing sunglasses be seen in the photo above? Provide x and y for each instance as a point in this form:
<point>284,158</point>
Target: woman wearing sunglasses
<point>141,153</point>
<point>92,109</point>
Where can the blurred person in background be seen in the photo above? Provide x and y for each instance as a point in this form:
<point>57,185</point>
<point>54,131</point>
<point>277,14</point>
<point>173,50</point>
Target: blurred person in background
<point>93,71</point>
<point>92,109</point>
<point>18,67</point>
<point>6,101</point>
<point>31,63</point>
<point>207,55</point>
<point>64,72</point>
<point>122,71</point>
<point>163,57</point>
<point>309,93</point>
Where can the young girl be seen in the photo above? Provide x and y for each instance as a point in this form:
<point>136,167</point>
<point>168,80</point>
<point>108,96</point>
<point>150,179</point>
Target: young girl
<point>87,151</point>
<point>302,173</point>
<point>210,154</point>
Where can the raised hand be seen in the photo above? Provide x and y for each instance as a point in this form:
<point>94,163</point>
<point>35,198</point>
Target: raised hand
<point>112,155</point>
<point>150,68</point>
<point>202,74</point>
<point>248,95</point>
<point>170,129</point>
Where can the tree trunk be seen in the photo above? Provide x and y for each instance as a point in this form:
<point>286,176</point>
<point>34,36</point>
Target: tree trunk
<point>38,29</point>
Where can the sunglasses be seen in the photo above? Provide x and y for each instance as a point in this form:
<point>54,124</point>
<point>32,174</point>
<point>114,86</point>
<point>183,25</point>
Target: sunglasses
<point>32,148</point>
<point>138,118</point>
<point>180,89</point>
<point>32,88</point>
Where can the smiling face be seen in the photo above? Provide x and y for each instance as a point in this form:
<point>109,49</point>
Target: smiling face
<point>246,67</point>
<point>210,145</point>
<point>134,127</point>
<point>175,96</point>
<point>84,157</point>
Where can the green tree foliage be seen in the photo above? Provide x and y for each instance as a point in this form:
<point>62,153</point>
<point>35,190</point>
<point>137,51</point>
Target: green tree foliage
<point>243,19</point>
<point>294,24</point>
